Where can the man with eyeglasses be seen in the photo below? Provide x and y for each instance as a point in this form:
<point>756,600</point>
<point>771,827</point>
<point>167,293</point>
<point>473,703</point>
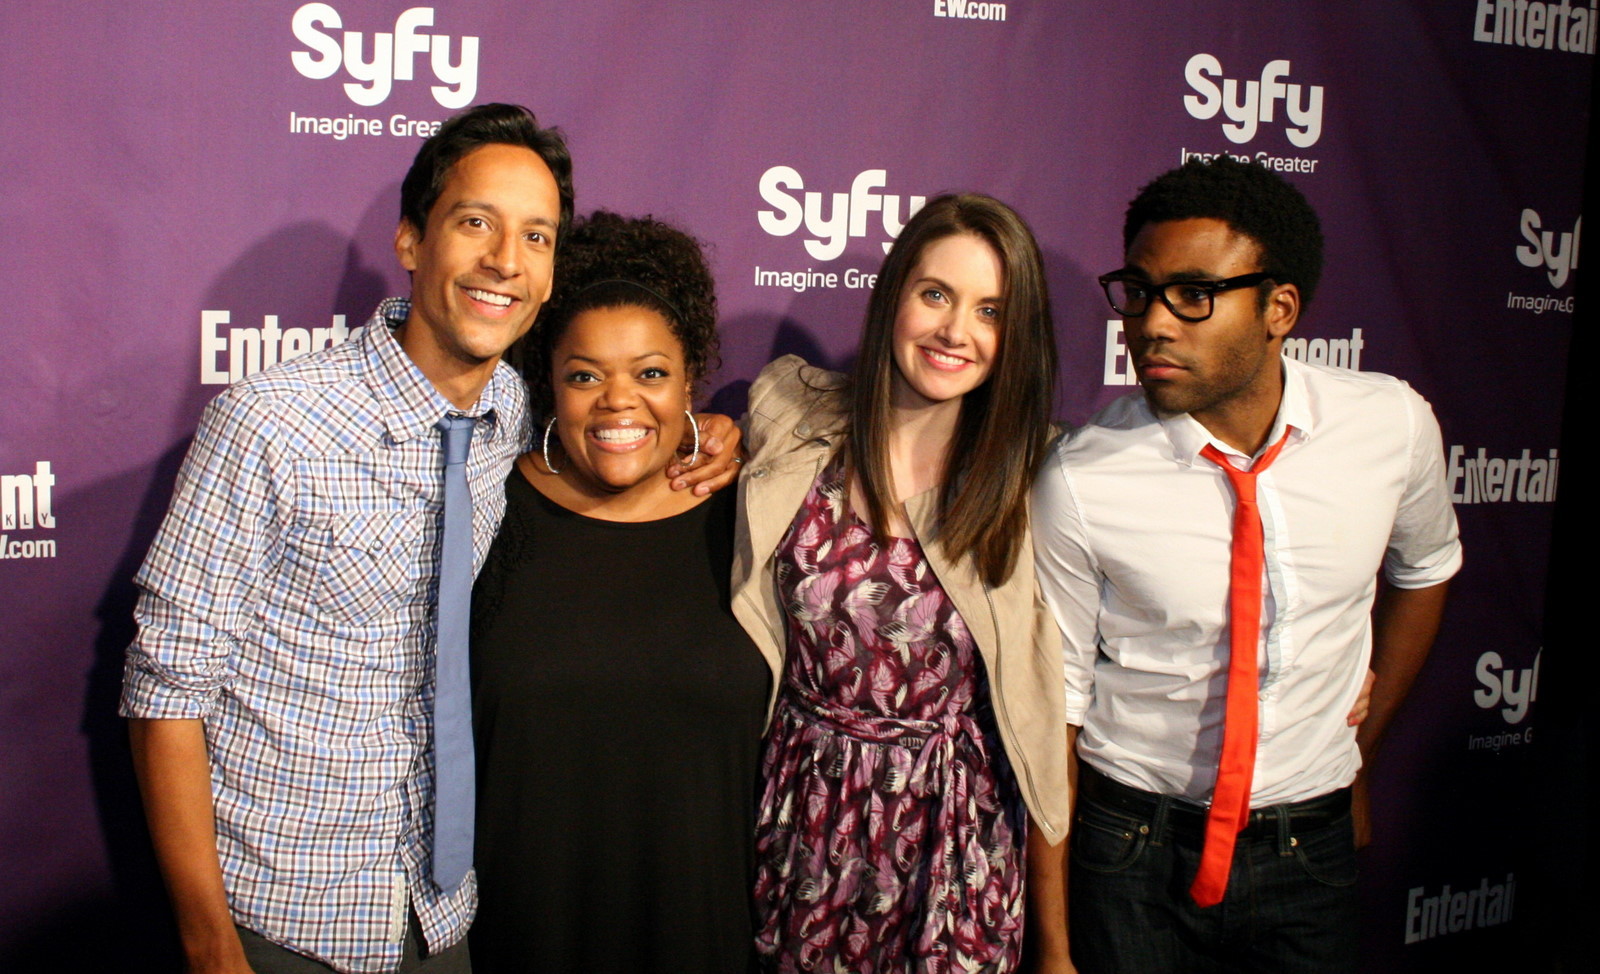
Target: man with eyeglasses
<point>1212,549</point>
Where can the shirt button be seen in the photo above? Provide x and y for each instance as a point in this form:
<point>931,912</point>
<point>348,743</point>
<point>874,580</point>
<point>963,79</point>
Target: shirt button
<point>759,472</point>
<point>804,429</point>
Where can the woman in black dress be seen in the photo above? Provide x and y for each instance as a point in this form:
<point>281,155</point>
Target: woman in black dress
<point>618,704</point>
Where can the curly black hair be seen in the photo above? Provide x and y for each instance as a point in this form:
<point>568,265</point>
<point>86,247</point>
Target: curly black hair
<point>612,261</point>
<point>1248,197</point>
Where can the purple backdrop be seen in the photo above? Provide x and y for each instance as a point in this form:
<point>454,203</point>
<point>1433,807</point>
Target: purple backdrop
<point>189,194</point>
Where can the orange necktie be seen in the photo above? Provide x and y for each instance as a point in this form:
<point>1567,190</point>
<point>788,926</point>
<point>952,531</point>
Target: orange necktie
<point>1230,802</point>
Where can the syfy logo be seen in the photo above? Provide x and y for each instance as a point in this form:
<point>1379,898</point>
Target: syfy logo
<point>393,56</point>
<point>1303,126</point>
<point>1558,254</point>
<point>846,216</point>
<point>1513,691</point>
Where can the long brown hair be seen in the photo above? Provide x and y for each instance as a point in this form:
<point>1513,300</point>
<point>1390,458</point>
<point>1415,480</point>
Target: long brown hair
<point>1004,424</point>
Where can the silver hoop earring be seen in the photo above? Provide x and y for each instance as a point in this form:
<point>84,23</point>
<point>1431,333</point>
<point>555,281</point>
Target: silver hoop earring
<point>694,457</point>
<point>546,446</point>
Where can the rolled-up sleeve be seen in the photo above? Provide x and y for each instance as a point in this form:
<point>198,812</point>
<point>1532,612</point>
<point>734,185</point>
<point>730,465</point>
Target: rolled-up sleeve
<point>1424,545</point>
<point>199,583</point>
<point>1069,581</point>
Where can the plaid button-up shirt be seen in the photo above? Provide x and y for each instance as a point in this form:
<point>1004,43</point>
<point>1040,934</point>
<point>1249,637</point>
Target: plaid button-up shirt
<point>289,601</point>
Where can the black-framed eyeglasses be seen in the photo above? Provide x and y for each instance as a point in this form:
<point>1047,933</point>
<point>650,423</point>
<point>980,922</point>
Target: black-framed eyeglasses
<point>1189,300</point>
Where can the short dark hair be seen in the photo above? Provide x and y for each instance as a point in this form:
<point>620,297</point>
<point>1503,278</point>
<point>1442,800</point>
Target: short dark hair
<point>1004,425</point>
<point>1248,197</point>
<point>613,261</point>
<point>481,125</point>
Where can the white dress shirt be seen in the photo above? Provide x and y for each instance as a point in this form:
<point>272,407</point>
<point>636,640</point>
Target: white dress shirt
<point>1133,532</point>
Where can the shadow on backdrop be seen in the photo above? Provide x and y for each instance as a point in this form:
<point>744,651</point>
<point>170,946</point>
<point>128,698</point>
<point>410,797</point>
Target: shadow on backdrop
<point>128,927</point>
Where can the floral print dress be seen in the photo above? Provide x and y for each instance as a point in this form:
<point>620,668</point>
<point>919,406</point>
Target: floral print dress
<point>890,832</point>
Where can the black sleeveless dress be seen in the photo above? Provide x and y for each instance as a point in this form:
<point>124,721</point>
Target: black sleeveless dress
<point>618,707</point>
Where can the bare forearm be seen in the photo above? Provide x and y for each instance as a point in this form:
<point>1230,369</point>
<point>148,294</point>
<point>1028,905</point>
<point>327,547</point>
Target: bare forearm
<point>169,757</point>
<point>1404,623</point>
<point>1047,892</point>
<point>720,455</point>
<point>1047,900</point>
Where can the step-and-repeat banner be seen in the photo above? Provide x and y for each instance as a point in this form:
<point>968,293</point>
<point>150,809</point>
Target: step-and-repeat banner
<point>191,191</point>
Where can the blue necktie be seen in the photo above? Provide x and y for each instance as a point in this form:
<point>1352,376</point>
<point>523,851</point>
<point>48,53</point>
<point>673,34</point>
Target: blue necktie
<point>453,761</point>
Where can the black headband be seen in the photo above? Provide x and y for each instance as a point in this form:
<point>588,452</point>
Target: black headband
<point>643,287</point>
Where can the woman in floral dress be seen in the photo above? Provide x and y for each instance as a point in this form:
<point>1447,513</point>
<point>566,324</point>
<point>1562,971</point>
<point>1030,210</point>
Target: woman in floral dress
<point>918,735</point>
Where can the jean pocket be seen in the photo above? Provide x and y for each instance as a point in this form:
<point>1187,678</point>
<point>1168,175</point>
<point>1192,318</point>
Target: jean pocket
<point>1328,854</point>
<point>1105,841</point>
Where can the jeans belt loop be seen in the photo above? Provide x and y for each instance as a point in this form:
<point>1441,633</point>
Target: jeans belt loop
<point>1159,822</point>
<point>1286,839</point>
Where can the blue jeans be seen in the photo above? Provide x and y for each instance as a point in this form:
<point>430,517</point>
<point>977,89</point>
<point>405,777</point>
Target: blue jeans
<point>1291,904</point>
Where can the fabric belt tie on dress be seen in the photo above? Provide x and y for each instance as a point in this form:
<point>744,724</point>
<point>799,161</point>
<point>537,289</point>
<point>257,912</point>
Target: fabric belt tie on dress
<point>932,771</point>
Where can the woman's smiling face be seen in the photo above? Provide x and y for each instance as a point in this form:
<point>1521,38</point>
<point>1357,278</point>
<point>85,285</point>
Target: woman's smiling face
<point>621,389</point>
<point>946,331</point>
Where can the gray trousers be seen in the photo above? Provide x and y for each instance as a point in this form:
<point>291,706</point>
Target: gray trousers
<point>266,957</point>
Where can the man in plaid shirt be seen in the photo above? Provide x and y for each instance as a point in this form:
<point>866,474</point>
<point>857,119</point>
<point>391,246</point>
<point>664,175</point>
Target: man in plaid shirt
<point>281,683</point>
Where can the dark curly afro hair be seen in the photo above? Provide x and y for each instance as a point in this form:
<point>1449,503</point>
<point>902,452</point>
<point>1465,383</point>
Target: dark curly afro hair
<point>601,261</point>
<point>1247,197</point>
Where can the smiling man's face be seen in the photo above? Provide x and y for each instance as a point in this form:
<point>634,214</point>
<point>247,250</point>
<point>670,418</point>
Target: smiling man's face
<point>482,267</point>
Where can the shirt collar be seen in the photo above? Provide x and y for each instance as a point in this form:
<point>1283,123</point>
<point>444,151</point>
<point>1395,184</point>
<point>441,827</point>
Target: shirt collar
<point>1188,437</point>
<point>411,406</point>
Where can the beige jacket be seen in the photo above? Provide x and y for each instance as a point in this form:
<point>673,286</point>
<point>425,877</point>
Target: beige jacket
<point>793,428</point>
